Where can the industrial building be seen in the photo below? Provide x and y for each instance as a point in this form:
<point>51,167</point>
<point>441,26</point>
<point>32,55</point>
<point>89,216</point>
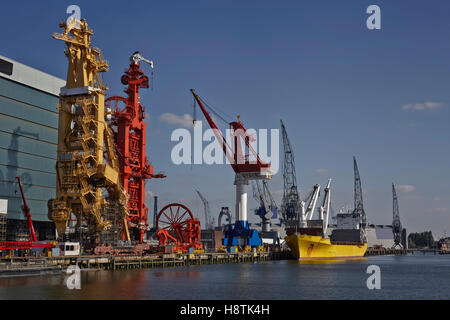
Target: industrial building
<point>28,142</point>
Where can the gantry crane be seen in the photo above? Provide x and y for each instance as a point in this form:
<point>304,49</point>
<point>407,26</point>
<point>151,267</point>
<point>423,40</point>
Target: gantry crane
<point>87,169</point>
<point>245,170</point>
<point>209,224</point>
<point>129,129</point>
<point>290,207</point>
<point>396,224</point>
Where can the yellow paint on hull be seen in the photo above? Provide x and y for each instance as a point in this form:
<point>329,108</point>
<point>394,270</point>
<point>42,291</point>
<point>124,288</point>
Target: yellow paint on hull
<point>312,248</point>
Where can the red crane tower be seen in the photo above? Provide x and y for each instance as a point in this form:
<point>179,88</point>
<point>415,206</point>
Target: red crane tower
<point>130,138</point>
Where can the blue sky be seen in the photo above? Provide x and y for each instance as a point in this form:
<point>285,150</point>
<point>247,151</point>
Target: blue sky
<point>341,89</point>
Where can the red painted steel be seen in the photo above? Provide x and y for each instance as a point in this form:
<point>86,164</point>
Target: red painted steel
<point>32,244</point>
<point>12,245</point>
<point>177,227</point>
<point>130,138</point>
<point>26,211</point>
<point>236,157</point>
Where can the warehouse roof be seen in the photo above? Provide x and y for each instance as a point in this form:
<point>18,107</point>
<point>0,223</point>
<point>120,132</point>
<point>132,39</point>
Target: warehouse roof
<point>18,72</point>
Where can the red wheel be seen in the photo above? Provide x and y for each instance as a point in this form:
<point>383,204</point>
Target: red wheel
<point>173,218</point>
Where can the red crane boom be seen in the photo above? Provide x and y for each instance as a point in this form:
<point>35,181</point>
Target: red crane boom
<point>238,161</point>
<point>26,211</point>
<point>12,245</point>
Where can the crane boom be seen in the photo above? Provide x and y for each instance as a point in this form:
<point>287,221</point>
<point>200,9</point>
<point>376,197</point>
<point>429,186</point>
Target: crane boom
<point>238,161</point>
<point>312,203</point>
<point>136,58</point>
<point>208,222</point>
<point>290,208</point>
<point>26,211</point>
<point>272,206</point>
<point>359,207</point>
<point>324,210</point>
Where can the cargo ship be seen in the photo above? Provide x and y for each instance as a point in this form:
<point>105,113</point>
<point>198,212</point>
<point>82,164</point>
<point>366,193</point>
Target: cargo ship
<point>307,238</point>
<point>312,248</point>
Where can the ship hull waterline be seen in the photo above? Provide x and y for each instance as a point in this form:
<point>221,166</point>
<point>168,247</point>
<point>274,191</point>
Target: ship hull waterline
<point>316,248</point>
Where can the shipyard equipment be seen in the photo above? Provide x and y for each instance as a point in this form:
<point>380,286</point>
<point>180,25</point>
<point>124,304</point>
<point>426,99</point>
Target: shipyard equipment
<point>129,129</point>
<point>87,169</point>
<point>290,207</point>
<point>12,245</point>
<point>267,208</point>
<point>396,224</point>
<point>245,170</point>
<point>359,207</point>
<point>209,223</point>
<point>26,211</point>
<point>225,211</point>
<point>176,227</point>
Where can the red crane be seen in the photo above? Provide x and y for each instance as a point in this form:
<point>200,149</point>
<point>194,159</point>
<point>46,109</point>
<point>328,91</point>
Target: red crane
<point>130,139</point>
<point>26,211</point>
<point>11,245</point>
<point>239,162</point>
<point>245,170</point>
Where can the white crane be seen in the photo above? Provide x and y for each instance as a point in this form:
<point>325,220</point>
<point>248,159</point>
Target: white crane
<point>136,58</point>
<point>312,203</point>
<point>209,224</point>
<point>324,209</point>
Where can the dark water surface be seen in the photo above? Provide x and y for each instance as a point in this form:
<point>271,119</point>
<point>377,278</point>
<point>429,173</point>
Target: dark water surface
<point>402,277</point>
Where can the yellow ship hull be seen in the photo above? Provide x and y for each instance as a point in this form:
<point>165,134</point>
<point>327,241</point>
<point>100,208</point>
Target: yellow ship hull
<point>311,248</point>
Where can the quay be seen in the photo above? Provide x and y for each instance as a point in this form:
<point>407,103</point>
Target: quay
<point>386,251</point>
<point>39,265</point>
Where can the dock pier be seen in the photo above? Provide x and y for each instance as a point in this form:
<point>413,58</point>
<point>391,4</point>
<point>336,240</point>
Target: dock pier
<point>14,265</point>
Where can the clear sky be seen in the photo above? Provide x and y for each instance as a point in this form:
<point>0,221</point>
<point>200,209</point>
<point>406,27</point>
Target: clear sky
<point>341,89</point>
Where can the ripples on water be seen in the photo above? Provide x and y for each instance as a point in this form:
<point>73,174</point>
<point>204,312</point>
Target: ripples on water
<point>402,277</point>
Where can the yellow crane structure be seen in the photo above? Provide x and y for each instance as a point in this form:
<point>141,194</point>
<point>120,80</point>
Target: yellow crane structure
<point>87,169</point>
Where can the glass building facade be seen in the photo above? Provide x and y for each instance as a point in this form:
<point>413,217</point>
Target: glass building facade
<point>28,144</point>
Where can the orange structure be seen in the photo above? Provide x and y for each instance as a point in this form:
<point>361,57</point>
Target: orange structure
<point>130,139</point>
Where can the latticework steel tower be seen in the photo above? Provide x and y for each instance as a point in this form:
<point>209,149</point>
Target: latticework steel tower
<point>290,207</point>
<point>396,224</point>
<point>87,169</point>
<point>359,207</point>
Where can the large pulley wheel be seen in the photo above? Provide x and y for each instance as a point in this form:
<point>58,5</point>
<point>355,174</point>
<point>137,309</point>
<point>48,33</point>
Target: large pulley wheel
<point>173,218</point>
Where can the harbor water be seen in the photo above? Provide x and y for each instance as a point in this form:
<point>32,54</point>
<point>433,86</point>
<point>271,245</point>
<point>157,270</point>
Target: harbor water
<point>402,277</point>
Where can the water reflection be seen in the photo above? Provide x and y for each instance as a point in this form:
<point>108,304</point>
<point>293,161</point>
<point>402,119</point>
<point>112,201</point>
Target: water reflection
<point>402,278</point>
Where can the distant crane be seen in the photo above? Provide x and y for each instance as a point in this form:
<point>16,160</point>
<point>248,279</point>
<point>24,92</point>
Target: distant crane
<point>266,204</point>
<point>290,207</point>
<point>209,224</point>
<point>225,211</point>
<point>359,207</point>
<point>396,224</point>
